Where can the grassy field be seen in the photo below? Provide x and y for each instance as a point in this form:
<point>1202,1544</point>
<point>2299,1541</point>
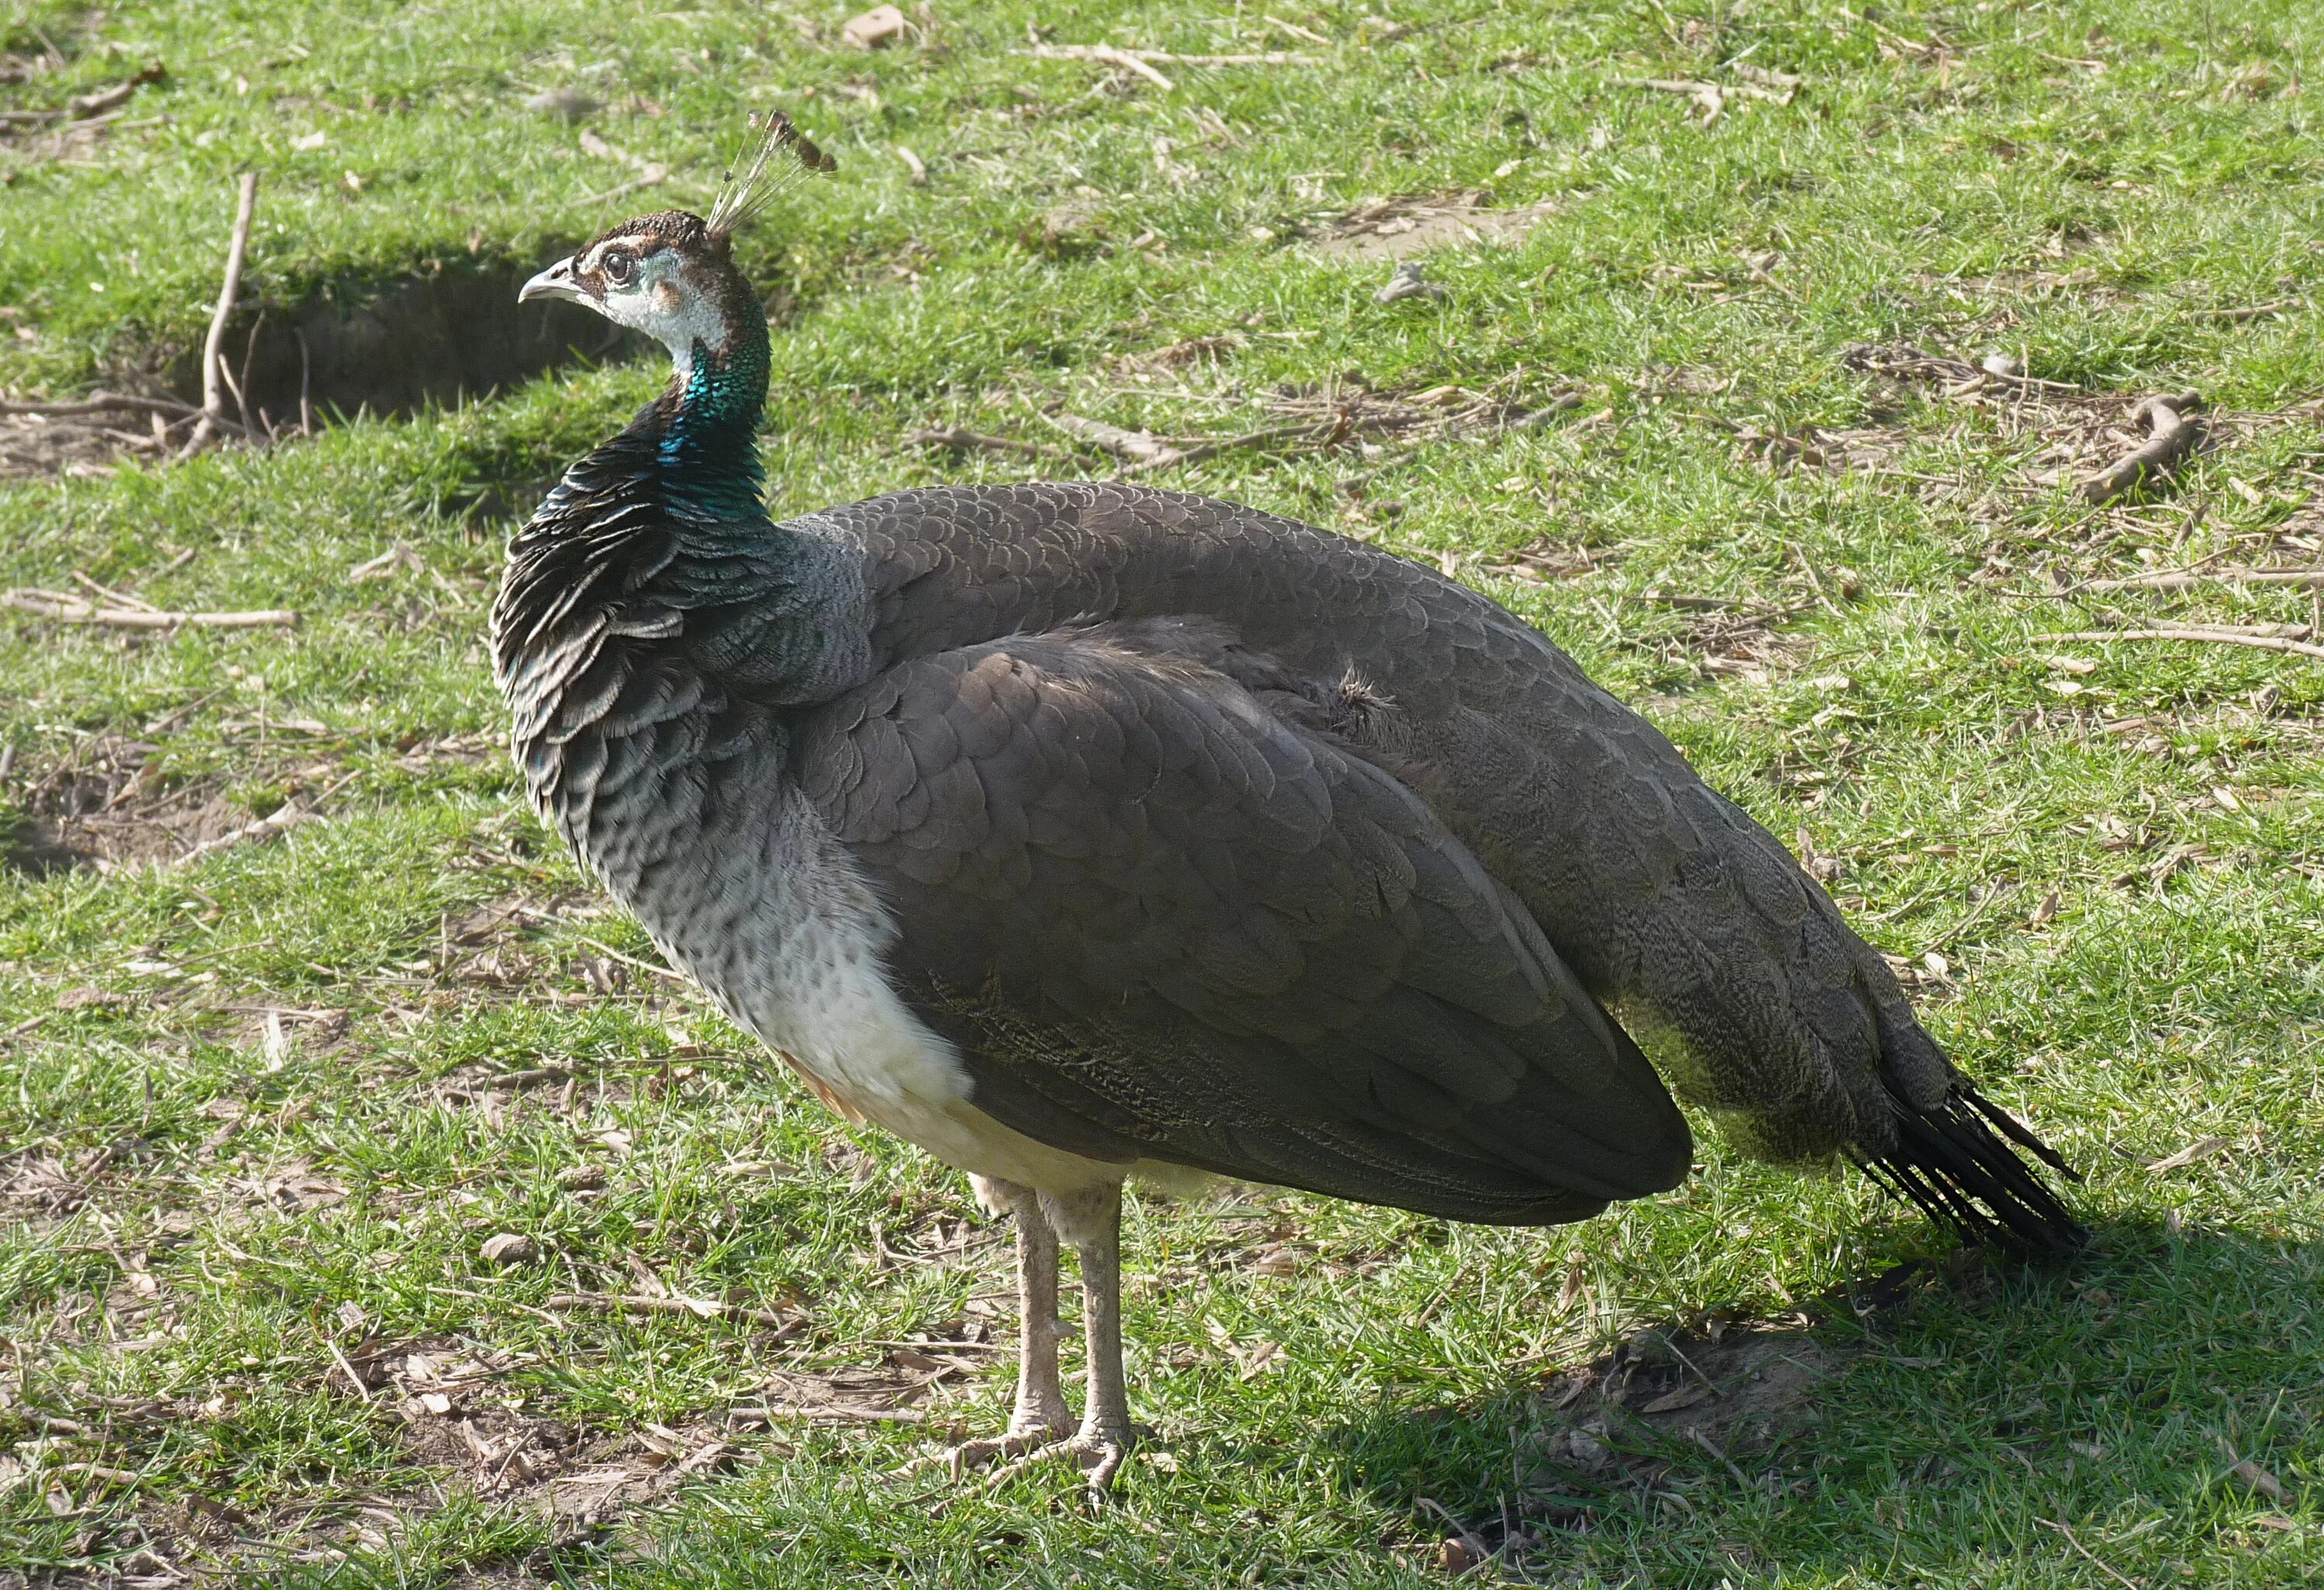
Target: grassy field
<point>265,1099</point>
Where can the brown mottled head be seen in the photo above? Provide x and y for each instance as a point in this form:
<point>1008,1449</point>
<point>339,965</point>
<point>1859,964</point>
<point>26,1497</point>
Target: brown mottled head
<point>670,274</point>
<point>665,274</point>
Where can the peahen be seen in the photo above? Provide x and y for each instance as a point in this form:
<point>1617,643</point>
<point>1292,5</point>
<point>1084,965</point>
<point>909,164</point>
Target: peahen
<point>1074,832</point>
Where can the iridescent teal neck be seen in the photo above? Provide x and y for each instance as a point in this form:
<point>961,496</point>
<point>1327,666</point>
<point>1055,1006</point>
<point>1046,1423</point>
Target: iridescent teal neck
<point>709,445</point>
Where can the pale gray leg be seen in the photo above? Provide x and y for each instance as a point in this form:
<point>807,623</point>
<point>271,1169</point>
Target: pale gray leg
<point>1041,1415</point>
<point>1041,1408</point>
<point>1092,1221</point>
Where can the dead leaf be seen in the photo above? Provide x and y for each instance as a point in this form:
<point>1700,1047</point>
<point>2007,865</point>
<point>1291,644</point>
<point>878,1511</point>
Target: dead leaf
<point>2261,1481</point>
<point>2185,1156</point>
<point>1672,1401</point>
<point>1256,1362</point>
<point>508,1247</point>
<point>875,29</point>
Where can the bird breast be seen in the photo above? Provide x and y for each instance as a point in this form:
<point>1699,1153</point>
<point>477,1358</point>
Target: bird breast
<point>790,945</point>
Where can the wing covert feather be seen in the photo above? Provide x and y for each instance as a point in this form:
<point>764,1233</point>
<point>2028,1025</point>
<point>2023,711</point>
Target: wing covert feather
<point>1160,922</point>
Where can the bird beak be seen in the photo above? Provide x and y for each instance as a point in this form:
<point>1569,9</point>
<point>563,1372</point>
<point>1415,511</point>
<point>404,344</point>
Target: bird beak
<point>556,282</point>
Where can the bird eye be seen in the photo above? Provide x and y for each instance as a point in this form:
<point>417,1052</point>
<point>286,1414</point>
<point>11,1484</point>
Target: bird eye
<point>620,266</point>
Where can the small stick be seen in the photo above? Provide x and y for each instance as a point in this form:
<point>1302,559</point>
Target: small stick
<point>961,439</point>
<point>2174,435</point>
<point>1201,450</point>
<point>1263,57</point>
<point>1708,1384</point>
<point>1108,54</point>
<point>214,343</point>
<point>70,609</point>
<point>2182,579</point>
<point>285,817</point>
<point>102,403</point>
<point>660,971</point>
<point>306,409</point>
<point>2063,1530</point>
<point>698,1308</point>
<point>1477,1552</point>
<point>2238,317</point>
<point>110,594</point>
<point>837,1412</point>
<point>1143,60</point>
<point>1695,88</point>
<point>1703,1440</point>
<point>1131,445</point>
<point>353,1379</point>
<point>2181,632</point>
<point>918,167</point>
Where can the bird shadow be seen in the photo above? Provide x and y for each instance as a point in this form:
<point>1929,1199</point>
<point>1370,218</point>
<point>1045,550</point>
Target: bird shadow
<point>1940,1410</point>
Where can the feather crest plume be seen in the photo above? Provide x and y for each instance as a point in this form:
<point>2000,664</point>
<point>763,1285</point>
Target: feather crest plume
<point>778,155</point>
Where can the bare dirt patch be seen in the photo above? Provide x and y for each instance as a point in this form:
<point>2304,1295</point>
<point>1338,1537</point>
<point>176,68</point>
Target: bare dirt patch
<point>2074,434</point>
<point>438,336</point>
<point>105,804</point>
<point>99,806</point>
<point>1412,222</point>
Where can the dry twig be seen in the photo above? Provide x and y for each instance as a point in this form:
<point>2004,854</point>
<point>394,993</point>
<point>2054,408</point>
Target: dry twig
<point>2192,580</point>
<point>2071,1541</point>
<point>2173,436</point>
<point>698,1308</point>
<point>2195,632</point>
<point>1143,61</point>
<point>959,439</point>
<point>2241,314</point>
<point>102,403</point>
<point>214,343</point>
<point>74,610</point>
<point>1134,446</point>
<point>285,817</point>
<point>1107,54</point>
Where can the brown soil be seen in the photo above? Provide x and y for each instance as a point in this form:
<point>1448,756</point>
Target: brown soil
<point>436,337</point>
<point>104,806</point>
<point>98,807</point>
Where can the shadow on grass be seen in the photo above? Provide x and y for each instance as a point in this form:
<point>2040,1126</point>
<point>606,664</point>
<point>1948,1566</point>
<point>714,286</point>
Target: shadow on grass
<point>1949,1419</point>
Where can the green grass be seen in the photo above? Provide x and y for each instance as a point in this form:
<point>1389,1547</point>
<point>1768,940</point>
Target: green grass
<point>2074,183</point>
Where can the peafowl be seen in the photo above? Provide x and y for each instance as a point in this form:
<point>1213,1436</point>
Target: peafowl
<point>1079,831</point>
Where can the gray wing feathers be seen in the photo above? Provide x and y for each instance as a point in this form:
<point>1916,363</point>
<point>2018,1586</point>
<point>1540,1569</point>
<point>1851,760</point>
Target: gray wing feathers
<point>1656,890</point>
<point>1161,922</point>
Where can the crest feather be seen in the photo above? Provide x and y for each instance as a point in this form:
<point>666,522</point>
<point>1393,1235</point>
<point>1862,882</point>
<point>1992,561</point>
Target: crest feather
<point>782,153</point>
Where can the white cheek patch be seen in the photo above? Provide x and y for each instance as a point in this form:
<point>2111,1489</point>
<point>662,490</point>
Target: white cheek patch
<point>667,307</point>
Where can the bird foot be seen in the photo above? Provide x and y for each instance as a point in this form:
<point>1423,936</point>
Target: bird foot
<point>959,1461</point>
<point>1098,1452</point>
<point>1026,1435</point>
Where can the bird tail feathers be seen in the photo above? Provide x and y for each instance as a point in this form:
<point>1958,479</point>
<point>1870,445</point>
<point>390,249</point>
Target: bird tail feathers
<point>1959,1161</point>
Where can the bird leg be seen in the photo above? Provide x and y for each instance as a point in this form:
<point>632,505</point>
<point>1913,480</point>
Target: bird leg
<point>1040,1410</point>
<point>1040,1416</point>
<point>1091,1220</point>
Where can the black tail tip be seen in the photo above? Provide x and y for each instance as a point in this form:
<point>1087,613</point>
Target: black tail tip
<point>1965,1174</point>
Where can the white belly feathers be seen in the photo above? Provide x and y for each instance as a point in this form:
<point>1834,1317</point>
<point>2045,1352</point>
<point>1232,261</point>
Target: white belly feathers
<point>799,965</point>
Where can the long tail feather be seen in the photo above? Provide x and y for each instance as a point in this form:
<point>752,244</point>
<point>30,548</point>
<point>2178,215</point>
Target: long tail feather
<point>1950,1161</point>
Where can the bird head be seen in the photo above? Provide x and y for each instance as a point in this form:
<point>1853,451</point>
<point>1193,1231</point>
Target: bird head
<point>671,274</point>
